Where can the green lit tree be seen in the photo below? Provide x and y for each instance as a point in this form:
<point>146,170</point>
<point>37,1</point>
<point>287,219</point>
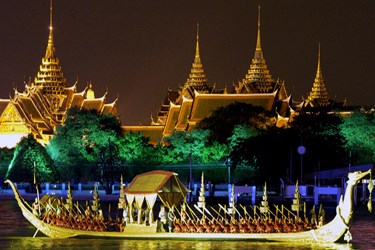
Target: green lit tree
<point>27,153</point>
<point>76,145</point>
<point>6,156</point>
<point>358,130</point>
<point>134,149</point>
<point>193,145</point>
<point>240,133</point>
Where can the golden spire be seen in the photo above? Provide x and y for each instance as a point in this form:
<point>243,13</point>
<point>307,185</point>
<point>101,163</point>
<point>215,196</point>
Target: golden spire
<point>197,77</point>
<point>50,51</point>
<point>319,74</point>
<point>318,96</point>
<point>197,54</point>
<point>258,78</point>
<point>49,77</point>
<point>258,50</point>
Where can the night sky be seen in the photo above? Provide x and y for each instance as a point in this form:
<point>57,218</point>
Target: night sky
<point>138,49</point>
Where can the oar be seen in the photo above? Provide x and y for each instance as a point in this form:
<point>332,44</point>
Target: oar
<point>37,230</point>
<point>290,212</point>
<point>192,212</point>
<point>218,213</point>
<point>231,216</point>
<point>245,211</point>
<point>213,218</point>
<point>193,222</point>
<point>255,213</point>
<point>239,214</point>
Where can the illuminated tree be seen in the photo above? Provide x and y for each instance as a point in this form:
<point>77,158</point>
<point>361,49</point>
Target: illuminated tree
<point>6,156</point>
<point>134,149</point>
<point>193,145</point>
<point>240,133</point>
<point>76,145</point>
<point>27,152</point>
<point>359,131</point>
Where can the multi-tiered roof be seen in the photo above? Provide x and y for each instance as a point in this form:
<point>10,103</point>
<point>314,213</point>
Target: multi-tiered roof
<point>258,78</point>
<point>42,106</point>
<point>197,78</point>
<point>182,109</point>
<point>50,78</point>
<point>318,96</point>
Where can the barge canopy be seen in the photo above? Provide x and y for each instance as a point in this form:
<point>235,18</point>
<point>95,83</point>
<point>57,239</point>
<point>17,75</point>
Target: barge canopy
<point>164,184</point>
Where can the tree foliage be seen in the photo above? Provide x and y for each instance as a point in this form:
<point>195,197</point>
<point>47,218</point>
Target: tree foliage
<point>134,149</point>
<point>223,120</point>
<point>193,145</point>
<point>358,130</point>
<point>27,153</point>
<point>77,143</point>
<point>6,156</point>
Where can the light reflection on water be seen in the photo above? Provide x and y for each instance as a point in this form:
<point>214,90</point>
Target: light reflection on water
<point>100,244</point>
<point>16,233</point>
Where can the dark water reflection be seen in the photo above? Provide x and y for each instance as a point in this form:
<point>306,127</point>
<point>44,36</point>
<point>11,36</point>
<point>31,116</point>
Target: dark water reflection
<point>16,233</point>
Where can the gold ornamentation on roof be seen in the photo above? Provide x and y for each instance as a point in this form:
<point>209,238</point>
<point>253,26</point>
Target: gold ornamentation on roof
<point>197,78</point>
<point>90,94</point>
<point>318,96</point>
<point>50,77</point>
<point>258,78</point>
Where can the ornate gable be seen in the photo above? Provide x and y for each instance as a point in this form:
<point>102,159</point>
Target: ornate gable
<point>11,121</point>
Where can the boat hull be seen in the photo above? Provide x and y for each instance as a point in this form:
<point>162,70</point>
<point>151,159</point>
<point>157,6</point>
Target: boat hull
<point>328,233</point>
<point>323,234</point>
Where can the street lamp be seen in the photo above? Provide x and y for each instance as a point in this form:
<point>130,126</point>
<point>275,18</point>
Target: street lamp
<point>229,185</point>
<point>301,151</point>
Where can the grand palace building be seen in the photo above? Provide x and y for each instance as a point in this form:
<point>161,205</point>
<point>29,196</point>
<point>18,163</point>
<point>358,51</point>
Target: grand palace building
<point>197,99</point>
<point>43,103</point>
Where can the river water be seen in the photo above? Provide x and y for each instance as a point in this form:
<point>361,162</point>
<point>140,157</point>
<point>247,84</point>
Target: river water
<point>17,233</point>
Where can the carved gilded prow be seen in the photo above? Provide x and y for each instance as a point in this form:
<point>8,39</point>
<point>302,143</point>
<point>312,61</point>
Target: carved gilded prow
<point>346,205</point>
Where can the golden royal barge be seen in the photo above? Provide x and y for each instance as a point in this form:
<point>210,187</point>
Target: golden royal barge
<point>58,219</point>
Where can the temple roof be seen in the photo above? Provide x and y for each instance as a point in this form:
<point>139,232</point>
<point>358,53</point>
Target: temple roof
<point>110,108</point>
<point>3,104</point>
<point>96,104</point>
<point>205,104</point>
<point>172,119</point>
<point>153,132</point>
<point>42,106</point>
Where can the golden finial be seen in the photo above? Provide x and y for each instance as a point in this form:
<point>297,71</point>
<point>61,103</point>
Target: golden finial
<point>258,36</point>
<point>50,37</point>
<point>258,49</point>
<point>197,46</point>
<point>319,71</point>
<point>90,94</point>
<point>50,51</point>
<point>50,15</point>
